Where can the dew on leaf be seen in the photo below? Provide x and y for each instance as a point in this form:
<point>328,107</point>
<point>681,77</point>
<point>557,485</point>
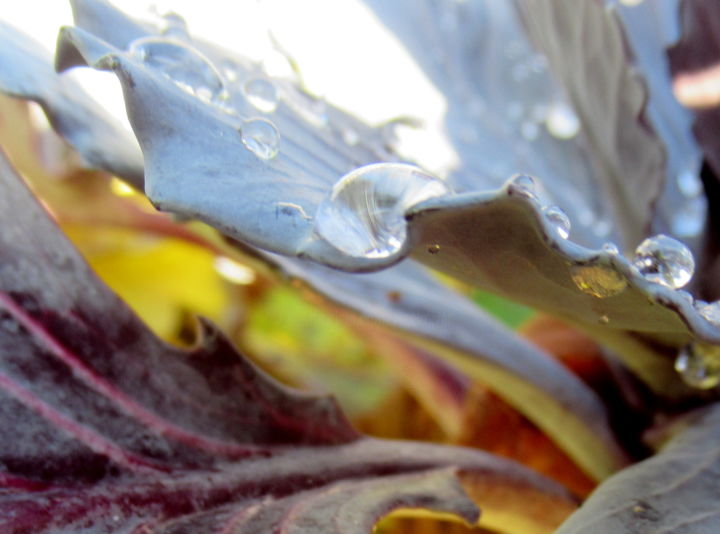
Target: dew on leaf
<point>364,216</point>
<point>664,260</point>
<point>261,137</point>
<point>598,280</point>
<point>524,185</point>
<point>185,66</point>
<point>561,121</point>
<point>558,219</point>
<point>174,25</point>
<point>261,94</point>
<point>699,365</point>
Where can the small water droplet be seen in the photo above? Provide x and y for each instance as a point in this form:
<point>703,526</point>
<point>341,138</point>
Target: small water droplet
<point>559,220</point>
<point>188,68</point>
<point>685,295</point>
<point>530,130</point>
<point>664,260</point>
<point>604,319</point>
<point>710,311</point>
<point>173,25</point>
<point>434,249</point>
<point>598,280</point>
<point>699,365</point>
<point>561,121</point>
<point>524,185</point>
<point>261,94</point>
<point>364,215</point>
<point>689,183</point>
<point>261,137</point>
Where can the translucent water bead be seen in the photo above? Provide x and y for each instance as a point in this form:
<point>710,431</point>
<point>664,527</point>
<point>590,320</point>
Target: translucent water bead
<point>364,216</point>
<point>664,260</point>
<point>261,94</point>
<point>261,137</point>
<point>699,365</point>
<point>181,63</point>
<point>558,219</point>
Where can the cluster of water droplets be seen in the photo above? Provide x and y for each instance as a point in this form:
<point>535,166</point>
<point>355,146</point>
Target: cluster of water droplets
<point>364,216</point>
<point>173,55</point>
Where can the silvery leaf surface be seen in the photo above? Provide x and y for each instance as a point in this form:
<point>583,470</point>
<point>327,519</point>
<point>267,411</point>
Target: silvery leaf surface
<point>674,491</point>
<point>426,306</point>
<point>196,165</point>
<point>585,47</point>
<point>26,71</point>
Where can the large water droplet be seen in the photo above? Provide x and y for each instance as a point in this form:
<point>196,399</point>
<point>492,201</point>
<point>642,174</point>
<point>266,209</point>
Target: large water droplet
<point>261,137</point>
<point>364,216</point>
<point>261,94</point>
<point>598,280</point>
<point>182,64</point>
<point>558,219</point>
<point>561,121</point>
<point>699,365</point>
<point>664,260</point>
<point>710,311</point>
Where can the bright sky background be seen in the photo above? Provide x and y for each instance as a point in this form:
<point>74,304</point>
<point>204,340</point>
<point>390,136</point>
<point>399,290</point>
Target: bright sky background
<point>343,53</point>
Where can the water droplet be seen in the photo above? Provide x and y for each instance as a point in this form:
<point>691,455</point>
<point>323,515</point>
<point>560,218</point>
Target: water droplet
<point>561,121</point>
<point>524,185</point>
<point>664,260</point>
<point>710,311</point>
<point>364,215</point>
<point>689,184</point>
<point>558,219</point>
<point>685,295</point>
<point>188,68</point>
<point>261,137</point>
<point>434,249</point>
<point>530,130</point>
<point>699,365</point>
<point>604,319</point>
<point>598,280</point>
<point>173,25</point>
<point>261,94</point>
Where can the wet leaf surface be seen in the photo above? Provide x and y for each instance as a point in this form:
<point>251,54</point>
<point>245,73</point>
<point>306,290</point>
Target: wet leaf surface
<point>674,491</point>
